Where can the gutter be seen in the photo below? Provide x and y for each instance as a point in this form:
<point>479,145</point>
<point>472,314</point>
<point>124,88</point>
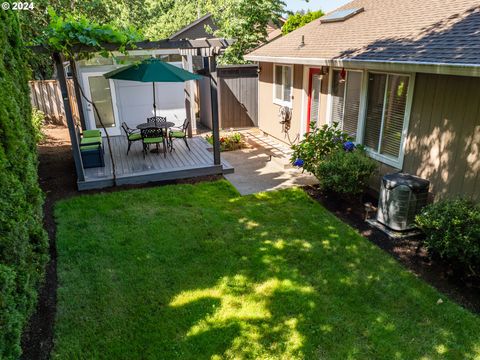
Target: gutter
<point>384,65</point>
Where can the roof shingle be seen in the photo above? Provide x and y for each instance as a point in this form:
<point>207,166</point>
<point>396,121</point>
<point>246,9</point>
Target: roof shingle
<point>423,31</point>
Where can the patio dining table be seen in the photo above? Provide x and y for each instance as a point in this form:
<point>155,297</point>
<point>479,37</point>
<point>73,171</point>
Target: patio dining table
<point>157,125</point>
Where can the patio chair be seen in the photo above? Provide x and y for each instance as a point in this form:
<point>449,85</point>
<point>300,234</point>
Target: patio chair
<point>153,136</point>
<point>156,119</point>
<point>179,132</point>
<point>88,137</point>
<point>132,135</point>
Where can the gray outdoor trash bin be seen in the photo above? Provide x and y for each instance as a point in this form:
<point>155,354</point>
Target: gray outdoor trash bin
<point>402,196</point>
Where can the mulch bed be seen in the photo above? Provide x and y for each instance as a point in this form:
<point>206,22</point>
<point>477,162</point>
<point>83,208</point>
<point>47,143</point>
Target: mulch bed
<point>57,179</point>
<point>444,277</point>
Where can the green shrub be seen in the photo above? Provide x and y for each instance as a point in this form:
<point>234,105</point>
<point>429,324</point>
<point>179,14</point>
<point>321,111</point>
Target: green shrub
<point>452,229</point>
<point>317,145</point>
<point>38,120</point>
<point>23,243</point>
<point>346,172</point>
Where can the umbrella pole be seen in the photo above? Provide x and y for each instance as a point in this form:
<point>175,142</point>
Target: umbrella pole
<point>154,104</point>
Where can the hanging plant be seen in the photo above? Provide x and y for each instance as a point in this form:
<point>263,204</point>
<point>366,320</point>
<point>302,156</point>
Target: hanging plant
<point>76,38</point>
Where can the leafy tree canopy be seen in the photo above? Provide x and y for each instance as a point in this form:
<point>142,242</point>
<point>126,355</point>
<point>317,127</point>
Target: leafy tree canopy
<point>300,19</point>
<point>244,20</point>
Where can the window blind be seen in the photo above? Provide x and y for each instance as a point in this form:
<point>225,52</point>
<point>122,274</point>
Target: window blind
<point>375,101</point>
<point>394,115</point>
<point>287,89</point>
<point>283,83</point>
<point>338,93</point>
<point>315,99</point>
<point>352,103</point>
<point>278,82</point>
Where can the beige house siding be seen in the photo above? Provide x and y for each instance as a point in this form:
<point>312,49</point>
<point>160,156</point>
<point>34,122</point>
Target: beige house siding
<point>443,142</point>
<point>443,139</point>
<point>268,119</point>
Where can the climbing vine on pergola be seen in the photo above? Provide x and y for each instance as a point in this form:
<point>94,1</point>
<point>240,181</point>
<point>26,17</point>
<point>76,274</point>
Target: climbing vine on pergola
<point>66,36</point>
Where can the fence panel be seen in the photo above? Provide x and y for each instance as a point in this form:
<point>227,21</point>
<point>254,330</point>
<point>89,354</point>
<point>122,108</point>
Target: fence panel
<point>45,95</point>
<point>238,96</point>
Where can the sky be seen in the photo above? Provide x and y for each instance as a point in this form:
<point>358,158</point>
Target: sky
<point>325,5</point>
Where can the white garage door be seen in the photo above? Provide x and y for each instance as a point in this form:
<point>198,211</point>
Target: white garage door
<point>135,101</point>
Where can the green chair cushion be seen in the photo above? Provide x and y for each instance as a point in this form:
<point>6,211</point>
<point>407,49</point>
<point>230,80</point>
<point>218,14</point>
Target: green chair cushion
<point>89,147</point>
<point>177,134</point>
<point>134,136</point>
<point>91,140</point>
<point>91,133</point>
<point>153,140</point>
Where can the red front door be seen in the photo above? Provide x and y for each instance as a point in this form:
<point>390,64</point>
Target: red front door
<point>313,97</point>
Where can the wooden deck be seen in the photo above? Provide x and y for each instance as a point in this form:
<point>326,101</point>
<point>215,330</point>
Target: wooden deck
<point>134,169</point>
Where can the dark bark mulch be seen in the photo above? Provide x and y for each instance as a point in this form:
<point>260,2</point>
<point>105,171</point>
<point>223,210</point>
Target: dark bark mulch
<point>58,181</point>
<point>441,275</point>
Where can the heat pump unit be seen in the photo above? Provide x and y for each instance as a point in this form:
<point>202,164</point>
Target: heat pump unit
<point>402,196</point>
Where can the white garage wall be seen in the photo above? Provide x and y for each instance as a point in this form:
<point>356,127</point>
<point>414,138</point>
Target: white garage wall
<point>135,101</point>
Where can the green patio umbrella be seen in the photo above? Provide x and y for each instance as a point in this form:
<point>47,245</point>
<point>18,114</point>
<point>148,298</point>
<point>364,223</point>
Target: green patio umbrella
<point>152,70</point>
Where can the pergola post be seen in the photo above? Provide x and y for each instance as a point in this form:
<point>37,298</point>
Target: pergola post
<point>212,70</point>
<point>78,96</point>
<point>68,114</point>
<point>187,61</point>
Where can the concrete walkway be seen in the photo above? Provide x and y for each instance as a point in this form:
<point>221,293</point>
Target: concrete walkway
<point>255,172</point>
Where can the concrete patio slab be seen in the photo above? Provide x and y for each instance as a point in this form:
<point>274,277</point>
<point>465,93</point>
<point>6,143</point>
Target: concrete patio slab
<point>255,172</point>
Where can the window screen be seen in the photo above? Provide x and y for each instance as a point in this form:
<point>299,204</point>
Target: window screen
<point>394,115</point>
<point>386,104</point>
<point>346,100</point>
<point>338,94</point>
<point>352,103</point>
<point>283,83</point>
<point>278,82</point>
<point>373,120</point>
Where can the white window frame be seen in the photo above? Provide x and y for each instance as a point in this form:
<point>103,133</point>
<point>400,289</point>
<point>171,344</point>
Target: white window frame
<point>277,101</point>
<point>362,114</point>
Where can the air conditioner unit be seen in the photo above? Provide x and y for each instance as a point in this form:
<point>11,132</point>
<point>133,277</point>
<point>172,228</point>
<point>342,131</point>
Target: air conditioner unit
<point>402,196</point>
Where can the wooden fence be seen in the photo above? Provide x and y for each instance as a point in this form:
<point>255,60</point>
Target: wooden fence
<point>238,96</point>
<point>46,96</point>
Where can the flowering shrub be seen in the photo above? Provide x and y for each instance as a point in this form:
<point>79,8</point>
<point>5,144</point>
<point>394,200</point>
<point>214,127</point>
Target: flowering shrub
<point>318,144</point>
<point>340,165</point>
<point>229,141</point>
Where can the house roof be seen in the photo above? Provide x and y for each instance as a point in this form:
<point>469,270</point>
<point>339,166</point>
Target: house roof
<point>388,31</point>
<point>196,29</point>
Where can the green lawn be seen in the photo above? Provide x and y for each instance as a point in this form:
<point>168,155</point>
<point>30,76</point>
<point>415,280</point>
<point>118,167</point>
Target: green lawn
<point>198,272</point>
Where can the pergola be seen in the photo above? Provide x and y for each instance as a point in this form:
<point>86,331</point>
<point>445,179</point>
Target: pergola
<point>208,49</point>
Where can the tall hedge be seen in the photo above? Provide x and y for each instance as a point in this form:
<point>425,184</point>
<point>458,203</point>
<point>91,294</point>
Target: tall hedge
<point>23,243</point>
